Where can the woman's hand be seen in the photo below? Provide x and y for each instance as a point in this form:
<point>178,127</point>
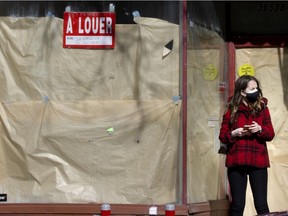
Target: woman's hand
<point>255,127</point>
<point>240,132</point>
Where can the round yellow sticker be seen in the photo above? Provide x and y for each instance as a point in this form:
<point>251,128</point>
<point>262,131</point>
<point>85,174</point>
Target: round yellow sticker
<point>246,69</point>
<point>210,72</point>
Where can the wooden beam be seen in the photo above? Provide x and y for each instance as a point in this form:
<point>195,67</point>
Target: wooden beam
<point>212,207</point>
<point>84,209</point>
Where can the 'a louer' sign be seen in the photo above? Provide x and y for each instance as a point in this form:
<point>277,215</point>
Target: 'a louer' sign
<point>89,30</point>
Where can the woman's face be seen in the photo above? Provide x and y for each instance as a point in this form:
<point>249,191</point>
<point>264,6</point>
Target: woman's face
<point>251,86</point>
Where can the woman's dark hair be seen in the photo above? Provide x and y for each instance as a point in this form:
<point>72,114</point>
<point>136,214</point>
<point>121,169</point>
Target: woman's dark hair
<point>237,98</point>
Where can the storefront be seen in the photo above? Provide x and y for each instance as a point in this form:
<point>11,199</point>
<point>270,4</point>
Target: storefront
<point>120,102</point>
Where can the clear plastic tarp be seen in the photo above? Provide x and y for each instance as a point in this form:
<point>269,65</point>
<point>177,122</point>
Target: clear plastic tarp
<point>206,92</point>
<point>83,125</point>
<point>270,68</point>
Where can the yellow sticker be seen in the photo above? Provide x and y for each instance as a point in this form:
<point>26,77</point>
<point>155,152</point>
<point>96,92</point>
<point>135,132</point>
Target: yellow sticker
<point>210,72</point>
<point>246,69</point>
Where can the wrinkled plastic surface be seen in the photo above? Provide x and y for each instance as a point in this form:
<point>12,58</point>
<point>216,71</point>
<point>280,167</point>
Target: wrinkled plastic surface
<point>270,66</point>
<point>83,125</point>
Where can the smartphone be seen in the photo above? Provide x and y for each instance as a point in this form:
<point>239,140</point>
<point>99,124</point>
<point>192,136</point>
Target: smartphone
<point>246,127</point>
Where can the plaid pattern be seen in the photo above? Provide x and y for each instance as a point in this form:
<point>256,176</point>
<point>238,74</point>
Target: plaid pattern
<point>250,150</point>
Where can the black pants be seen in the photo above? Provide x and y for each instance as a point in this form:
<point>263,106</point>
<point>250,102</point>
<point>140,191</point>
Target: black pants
<point>258,179</point>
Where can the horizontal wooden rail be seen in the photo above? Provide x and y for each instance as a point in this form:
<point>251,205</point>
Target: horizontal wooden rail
<point>83,209</point>
<point>213,207</point>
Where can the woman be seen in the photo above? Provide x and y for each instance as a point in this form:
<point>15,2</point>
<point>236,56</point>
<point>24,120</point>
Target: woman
<point>245,128</point>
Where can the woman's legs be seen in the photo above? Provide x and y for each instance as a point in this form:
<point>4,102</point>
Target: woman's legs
<point>238,183</point>
<point>258,179</point>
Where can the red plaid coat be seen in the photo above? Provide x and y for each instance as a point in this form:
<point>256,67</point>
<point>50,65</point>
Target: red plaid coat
<point>250,150</point>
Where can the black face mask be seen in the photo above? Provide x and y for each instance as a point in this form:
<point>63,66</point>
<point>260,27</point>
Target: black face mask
<point>252,97</point>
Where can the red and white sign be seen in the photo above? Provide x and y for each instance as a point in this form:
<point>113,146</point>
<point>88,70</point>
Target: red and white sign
<point>89,30</point>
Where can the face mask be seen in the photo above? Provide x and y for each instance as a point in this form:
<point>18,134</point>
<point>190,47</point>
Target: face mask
<point>252,95</point>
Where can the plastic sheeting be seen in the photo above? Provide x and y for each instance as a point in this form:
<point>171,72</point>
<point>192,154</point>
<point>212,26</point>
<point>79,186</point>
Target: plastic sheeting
<point>206,171</point>
<point>205,92</point>
<point>83,125</point>
<point>270,66</point>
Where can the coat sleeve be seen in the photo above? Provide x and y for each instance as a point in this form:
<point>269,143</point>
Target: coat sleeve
<point>267,133</point>
<point>225,130</point>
